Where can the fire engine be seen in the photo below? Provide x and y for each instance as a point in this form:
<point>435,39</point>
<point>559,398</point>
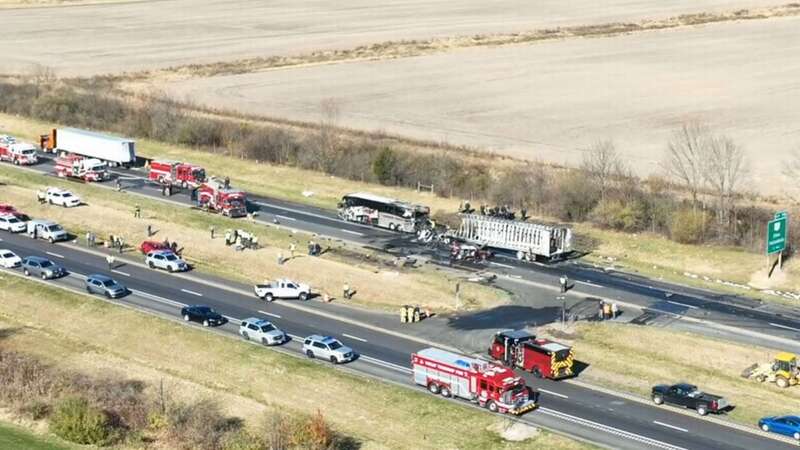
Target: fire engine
<point>541,357</point>
<point>177,173</point>
<point>216,195</point>
<point>77,166</point>
<point>5,208</point>
<point>19,153</point>
<point>492,386</point>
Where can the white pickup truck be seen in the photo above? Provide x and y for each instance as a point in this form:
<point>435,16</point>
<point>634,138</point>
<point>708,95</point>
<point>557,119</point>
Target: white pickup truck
<point>282,288</point>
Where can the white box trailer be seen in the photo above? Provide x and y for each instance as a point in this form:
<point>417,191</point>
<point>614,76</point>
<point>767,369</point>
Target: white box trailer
<point>528,240</point>
<point>115,150</point>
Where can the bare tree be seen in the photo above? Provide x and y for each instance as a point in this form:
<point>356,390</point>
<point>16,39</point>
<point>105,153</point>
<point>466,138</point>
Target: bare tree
<point>686,155</point>
<point>725,169</point>
<point>328,138</point>
<point>791,170</point>
<point>42,76</point>
<point>603,165</point>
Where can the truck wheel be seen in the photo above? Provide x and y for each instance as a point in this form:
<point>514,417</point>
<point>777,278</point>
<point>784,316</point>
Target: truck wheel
<point>445,392</point>
<point>492,406</point>
<point>761,378</point>
<point>245,336</point>
<point>264,341</point>
<point>333,360</point>
<point>184,184</point>
<point>796,436</point>
<point>186,317</point>
<point>44,276</point>
<point>433,388</point>
<point>765,427</point>
<point>702,410</point>
<point>536,372</point>
<point>51,240</point>
<point>310,354</point>
<point>658,400</point>
<point>88,289</point>
<point>151,265</point>
<point>27,274</point>
<point>269,297</point>
<point>392,227</point>
<point>16,162</point>
<point>303,296</point>
<point>205,323</point>
<point>782,382</point>
<point>170,269</point>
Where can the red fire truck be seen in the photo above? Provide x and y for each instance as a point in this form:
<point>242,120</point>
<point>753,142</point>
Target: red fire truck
<point>217,195</point>
<point>5,208</point>
<point>492,386</point>
<point>177,173</point>
<point>18,153</point>
<point>77,166</point>
<point>541,357</point>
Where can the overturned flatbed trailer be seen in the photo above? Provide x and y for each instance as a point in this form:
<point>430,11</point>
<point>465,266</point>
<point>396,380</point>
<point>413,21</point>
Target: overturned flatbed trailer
<point>529,240</point>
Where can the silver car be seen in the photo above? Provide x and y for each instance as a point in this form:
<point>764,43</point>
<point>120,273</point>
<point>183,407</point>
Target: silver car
<point>42,267</point>
<point>326,347</point>
<point>262,331</point>
<point>103,285</point>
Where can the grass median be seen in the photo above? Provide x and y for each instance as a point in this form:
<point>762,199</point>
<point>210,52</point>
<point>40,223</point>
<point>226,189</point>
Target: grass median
<point>76,331</point>
<point>14,437</point>
<point>108,212</point>
<point>634,358</point>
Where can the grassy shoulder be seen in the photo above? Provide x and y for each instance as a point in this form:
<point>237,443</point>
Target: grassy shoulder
<point>634,358</point>
<point>13,437</point>
<point>109,212</point>
<point>89,334</point>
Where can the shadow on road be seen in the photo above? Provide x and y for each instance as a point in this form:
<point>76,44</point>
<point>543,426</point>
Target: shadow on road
<point>505,317</point>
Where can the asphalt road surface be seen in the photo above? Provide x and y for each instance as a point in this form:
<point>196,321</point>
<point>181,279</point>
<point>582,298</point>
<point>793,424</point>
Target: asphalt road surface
<point>609,420</point>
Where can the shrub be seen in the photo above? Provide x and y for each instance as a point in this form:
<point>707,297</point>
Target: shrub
<point>312,433</point>
<point>383,166</point>
<point>575,198</point>
<point>244,440</point>
<point>199,425</point>
<point>688,226</point>
<point>631,216</point>
<point>76,421</point>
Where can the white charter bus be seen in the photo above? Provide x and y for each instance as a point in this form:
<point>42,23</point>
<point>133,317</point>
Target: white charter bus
<point>383,212</point>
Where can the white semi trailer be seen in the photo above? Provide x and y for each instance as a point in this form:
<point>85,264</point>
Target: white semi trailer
<point>114,150</point>
<point>528,240</point>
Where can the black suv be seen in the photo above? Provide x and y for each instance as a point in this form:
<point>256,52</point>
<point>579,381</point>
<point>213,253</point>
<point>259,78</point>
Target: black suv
<point>688,396</point>
<point>203,314</point>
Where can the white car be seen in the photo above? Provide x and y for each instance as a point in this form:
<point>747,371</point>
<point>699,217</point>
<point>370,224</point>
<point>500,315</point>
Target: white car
<point>62,197</point>
<point>166,260</point>
<point>261,330</point>
<point>10,222</point>
<point>9,259</point>
<point>326,347</point>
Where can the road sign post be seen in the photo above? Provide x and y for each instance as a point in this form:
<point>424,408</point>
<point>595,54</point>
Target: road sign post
<point>777,230</point>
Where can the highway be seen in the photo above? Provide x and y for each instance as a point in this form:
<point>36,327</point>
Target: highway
<point>721,315</point>
<point>609,420</point>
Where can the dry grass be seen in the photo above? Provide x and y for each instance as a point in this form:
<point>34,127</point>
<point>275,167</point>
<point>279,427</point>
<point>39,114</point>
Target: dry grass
<point>108,212</point>
<point>91,334</point>
<point>410,48</point>
<point>633,359</point>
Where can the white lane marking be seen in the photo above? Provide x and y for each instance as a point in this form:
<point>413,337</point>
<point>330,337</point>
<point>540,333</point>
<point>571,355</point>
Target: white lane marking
<point>159,299</point>
<point>297,211</point>
<point>670,426</point>
<point>269,314</point>
<point>682,304</point>
<point>125,274</point>
<point>386,364</point>
<point>352,232</point>
<point>232,319</point>
<point>55,254</point>
<point>588,283</point>
<point>608,429</point>
<point>783,326</point>
<point>192,292</point>
<point>354,337</point>
<point>501,265</point>
<point>285,217</point>
<point>552,393</point>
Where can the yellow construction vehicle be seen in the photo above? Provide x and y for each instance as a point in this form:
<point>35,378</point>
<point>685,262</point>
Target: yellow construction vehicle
<point>783,371</point>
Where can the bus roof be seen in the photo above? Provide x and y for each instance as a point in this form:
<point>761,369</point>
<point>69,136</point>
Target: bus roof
<point>380,199</point>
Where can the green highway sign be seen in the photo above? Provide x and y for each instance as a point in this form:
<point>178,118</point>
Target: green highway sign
<point>776,233</point>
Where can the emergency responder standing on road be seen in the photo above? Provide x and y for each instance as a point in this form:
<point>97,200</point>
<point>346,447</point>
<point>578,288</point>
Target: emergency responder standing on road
<point>137,212</point>
<point>110,261</point>
<point>563,280</point>
<point>346,293</point>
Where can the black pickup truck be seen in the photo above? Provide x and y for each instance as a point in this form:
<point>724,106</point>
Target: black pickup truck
<point>688,396</point>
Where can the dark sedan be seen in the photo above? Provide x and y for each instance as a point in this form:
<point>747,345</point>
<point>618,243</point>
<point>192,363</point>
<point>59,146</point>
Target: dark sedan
<point>202,314</point>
